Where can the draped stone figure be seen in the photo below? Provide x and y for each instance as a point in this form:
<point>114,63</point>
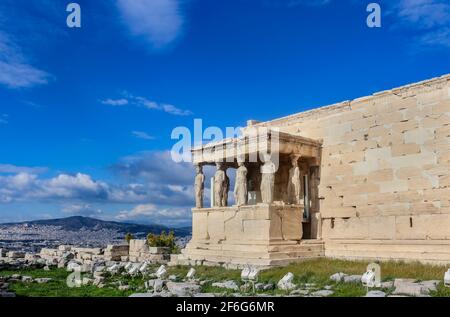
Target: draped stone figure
<point>221,186</point>
<point>240,187</point>
<point>199,186</point>
<point>267,181</point>
<point>294,182</point>
<point>226,189</point>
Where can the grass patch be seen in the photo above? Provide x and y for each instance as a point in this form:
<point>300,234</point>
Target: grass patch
<point>311,274</point>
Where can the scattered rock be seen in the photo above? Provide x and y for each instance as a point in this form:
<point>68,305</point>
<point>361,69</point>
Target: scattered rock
<point>73,267</point>
<point>142,295</point>
<point>286,282</point>
<point>42,280</point>
<point>172,277</point>
<point>411,288</point>
<point>158,285</point>
<point>322,293</point>
<point>338,277</point>
<point>387,284</point>
<point>191,274</point>
<point>27,279</point>
<point>269,287</point>
<point>376,294</point>
<point>124,288</point>
<point>183,289</point>
<point>161,272</point>
<point>259,286</point>
<point>98,281</point>
<point>149,284</point>
<point>87,281</point>
<point>431,286</point>
<point>302,292</point>
<point>227,284</point>
<point>352,278</point>
<point>205,295</point>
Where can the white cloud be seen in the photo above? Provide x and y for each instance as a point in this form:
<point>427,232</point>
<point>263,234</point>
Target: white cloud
<point>142,180</point>
<point>3,118</point>
<point>139,101</point>
<point>437,38</point>
<point>175,111</point>
<point>159,22</point>
<point>142,135</point>
<point>153,212</point>
<point>115,102</point>
<point>85,210</point>
<point>13,169</point>
<point>15,72</point>
<point>429,18</point>
<point>147,178</point>
<point>424,13</point>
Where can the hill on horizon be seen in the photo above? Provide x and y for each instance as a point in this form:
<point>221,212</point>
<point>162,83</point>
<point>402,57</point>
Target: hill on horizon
<point>75,223</point>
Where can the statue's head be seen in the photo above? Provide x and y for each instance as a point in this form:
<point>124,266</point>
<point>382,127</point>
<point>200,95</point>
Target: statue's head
<point>241,164</point>
<point>199,168</point>
<point>219,165</point>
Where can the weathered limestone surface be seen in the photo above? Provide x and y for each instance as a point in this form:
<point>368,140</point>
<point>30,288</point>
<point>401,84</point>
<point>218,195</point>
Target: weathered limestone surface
<point>385,172</point>
<point>379,185</point>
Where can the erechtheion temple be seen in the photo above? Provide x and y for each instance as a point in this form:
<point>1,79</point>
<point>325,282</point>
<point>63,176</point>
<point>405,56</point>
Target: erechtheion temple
<point>361,179</point>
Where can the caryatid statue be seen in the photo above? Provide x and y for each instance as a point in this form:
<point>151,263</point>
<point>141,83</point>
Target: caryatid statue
<point>226,189</point>
<point>221,186</point>
<point>199,186</point>
<point>294,182</point>
<point>267,180</point>
<point>240,187</point>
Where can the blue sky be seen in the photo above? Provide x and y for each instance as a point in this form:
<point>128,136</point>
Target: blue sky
<point>86,114</point>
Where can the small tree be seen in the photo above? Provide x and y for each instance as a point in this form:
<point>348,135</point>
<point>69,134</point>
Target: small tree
<point>129,237</point>
<point>162,240</point>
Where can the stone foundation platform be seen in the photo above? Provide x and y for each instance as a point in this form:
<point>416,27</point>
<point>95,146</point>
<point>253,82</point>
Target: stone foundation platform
<point>260,235</point>
<point>240,254</point>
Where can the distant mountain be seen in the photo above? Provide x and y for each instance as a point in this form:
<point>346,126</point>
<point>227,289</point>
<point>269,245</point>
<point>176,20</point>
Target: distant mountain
<point>77,222</point>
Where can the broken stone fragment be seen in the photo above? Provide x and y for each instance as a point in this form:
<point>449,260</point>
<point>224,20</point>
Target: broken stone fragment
<point>352,279</point>
<point>411,288</point>
<point>183,289</point>
<point>231,285</point>
<point>191,274</point>
<point>161,272</point>
<point>286,282</point>
<point>158,285</point>
<point>27,279</point>
<point>338,277</point>
<point>322,293</point>
<point>376,294</point>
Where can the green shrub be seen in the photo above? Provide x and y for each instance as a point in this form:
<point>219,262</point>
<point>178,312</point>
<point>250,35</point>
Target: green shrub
<point>128,237</point>
<point>162,240</point>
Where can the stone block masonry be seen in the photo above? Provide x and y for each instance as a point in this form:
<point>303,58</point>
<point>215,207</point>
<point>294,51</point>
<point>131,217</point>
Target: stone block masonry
<point>385,172</point>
